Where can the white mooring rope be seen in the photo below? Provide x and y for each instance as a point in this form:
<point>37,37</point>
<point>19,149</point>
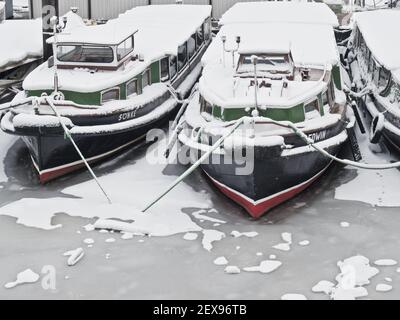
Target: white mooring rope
<point>68,134</point>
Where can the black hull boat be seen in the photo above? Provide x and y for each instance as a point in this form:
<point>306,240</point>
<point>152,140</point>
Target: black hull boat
<point>109,85</point>
<point>374,66</point>
<point>267,102</point>
<point>54,156</point>
<point>261,174</point>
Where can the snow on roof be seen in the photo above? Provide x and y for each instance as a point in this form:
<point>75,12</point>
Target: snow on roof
<point>379,29</point>
<point>313,45</point>
<point>20,40</point>
<point>288,12</point>
<point>161,28</point>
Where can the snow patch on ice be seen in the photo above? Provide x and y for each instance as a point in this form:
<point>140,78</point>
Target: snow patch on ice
<point>221,261</point>
<point>266,266</point>
<point>293,296</point>
<point>385,262</point>
<point>237,234</point>
<point>377,188</point>
<point>190,236</point>
<point>74,256</point>
<point>304,243</point>
<point>27,276</point>
<point>381,287</point>
<point>232,270</point>
<point>199,215</point>
<point>211,236</point>
<point>355,273</point>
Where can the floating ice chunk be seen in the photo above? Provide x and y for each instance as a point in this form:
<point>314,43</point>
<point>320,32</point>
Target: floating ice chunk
<point>323,286</point>
<point>89,227</point>
<point>266,266</point>
<point>103,231</point>
<point>293,296</point>
<point>345,224</point>
<point>272,257</point>
<point>27,276</point>
<point>304,243</point>
<point>237,234</point>
<point>388,279</point>
<point>127,236</point>
<point>108,256</point>
<point>200,216</point>
<point>287,237</point>
<point>221,261</point>
<point>190,236</point>
<point>385,262</point>
<point>88,241</point>
<point>383,287</point>
<point>259,254</point>
<point>216,224</point>
<point>232,270</point>
<point>398,270</point>
<point>211,236</point>
<point>282,247</point>
<point>238,248</point>
<point>74,256</point>
<point>110,240</point>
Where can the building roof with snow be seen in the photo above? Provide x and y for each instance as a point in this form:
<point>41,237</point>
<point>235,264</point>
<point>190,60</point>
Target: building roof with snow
<point>380,31</point>
<point>282,12</point>
<point>21,40</point>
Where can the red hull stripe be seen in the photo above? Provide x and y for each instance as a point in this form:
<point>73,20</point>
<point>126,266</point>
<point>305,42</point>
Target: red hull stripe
<point>51,174</point>
<point>258,208</point>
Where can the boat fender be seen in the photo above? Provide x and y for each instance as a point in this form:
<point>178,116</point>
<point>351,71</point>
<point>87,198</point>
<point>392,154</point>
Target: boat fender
<point>377,126</point>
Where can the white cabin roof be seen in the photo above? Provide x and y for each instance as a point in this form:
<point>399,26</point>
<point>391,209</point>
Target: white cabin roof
<point>284,12</point>
<point>161,28</point>
<point>313,45</point>
<point>380,31</point>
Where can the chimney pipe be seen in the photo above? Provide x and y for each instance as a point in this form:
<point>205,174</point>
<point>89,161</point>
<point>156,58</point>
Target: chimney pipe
<point>50,9</point>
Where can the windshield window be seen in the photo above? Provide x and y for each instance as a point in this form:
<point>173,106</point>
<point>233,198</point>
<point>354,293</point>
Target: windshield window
<point>267,63</point>
<point>125,48</point>
<point>85,54</point>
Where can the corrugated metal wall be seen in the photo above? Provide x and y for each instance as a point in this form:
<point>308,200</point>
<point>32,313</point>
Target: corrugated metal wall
<point>108,9</point>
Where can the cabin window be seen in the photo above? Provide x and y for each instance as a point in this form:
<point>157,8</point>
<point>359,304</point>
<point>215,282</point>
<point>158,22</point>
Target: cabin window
<point>182,56</point>
<point>325,98</point>
<point>191,45</point>
<point>110,95</point>
<point>266,63</point>
<point>384,77</point>
<point>199,37</point>
<point>132,88</point>
<point>125,48</point>
<point>173,66</point>
<point>207,29</point>
<point>85,54</point>
<point>206,106</point>
<point>164,66</point>
<point>311,109</point>
<point>146,78</point>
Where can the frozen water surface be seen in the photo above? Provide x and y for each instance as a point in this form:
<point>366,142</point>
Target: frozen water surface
<point>39,223</point>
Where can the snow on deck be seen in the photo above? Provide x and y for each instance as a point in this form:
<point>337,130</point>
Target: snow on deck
<point>377,28</point>
<point>20,40</point>
<point>287,12</point>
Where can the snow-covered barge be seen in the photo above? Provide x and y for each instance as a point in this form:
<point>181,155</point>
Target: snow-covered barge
<point>272,63</point>
<point>110,84</point>
<point>374,64</point>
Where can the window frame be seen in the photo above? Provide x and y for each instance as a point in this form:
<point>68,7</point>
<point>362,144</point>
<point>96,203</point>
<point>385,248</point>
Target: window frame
<point>164,79</point>
<point>143,73</point>
<point>82,45</point>
<point>137,88</point>
<point>107,90</point>
<point>172,77</point>
<point>186,60</point>
<point>127,54</point>
<point>309,102</point>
